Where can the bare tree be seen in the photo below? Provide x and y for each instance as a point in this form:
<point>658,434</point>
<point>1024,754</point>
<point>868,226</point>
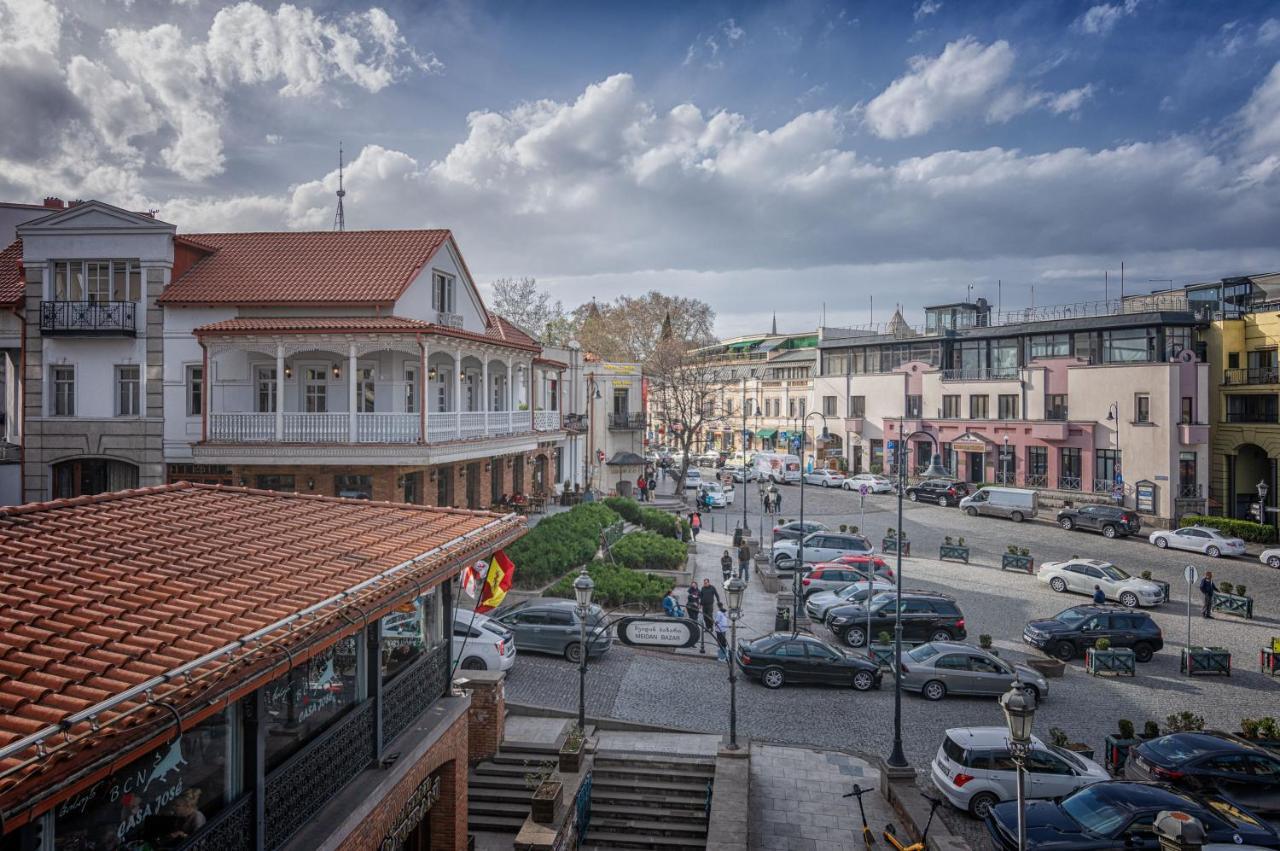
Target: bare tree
<point>524,303</point>
<point>629,328</point>
<point>682,396</point>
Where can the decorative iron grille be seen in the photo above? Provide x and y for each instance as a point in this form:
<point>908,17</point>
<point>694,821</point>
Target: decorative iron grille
<point>230,830</point>
<point>409,694</point>
<point>88,317</point>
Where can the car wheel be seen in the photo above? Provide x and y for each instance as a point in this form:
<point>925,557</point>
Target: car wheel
<point>1274,561</point>
<point>1064,651</point>
<point>1142,651</point>
<point>1067,523</point>
<point>940,635</point>
<point>773,678</point>
<point>1162,543</point>
<point>1109,531</point>
<point>1058,584</point>
<point>980,804</point>
<point>971,511</point>
<point>1016,517</point>
<point>1213,552</point>
<point>1130,599</point>
<point>863,680</point>
<point>826,484</point>
<point>943,501</point>
<point>913,496</point>
<point>855,636</point>
<point>573,653</point>
<point>473,663</point>
<point>934,690</point>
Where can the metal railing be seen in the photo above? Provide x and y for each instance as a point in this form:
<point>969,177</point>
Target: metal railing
<point>1251,375</point>
<point>980,373</point>
<point>88,317</point>
<point>546,420</point>
<point>1190,490</point>
<point>626,422</point>
<point>1003,478</point>
<point>1103,485</point>
<point>1037,480</point>
<point>448,320</point>
<point>1068,483</point>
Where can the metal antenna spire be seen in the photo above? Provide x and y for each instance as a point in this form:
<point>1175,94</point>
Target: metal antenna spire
<point>339,220</point>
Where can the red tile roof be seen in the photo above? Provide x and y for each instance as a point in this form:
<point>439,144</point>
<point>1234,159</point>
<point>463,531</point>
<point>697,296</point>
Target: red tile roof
<point>11,285</point>
<point>501,328</point>
<point>105,593</point>
<point>549,362</point>
<point>251,325</point>
<point>304,267</point>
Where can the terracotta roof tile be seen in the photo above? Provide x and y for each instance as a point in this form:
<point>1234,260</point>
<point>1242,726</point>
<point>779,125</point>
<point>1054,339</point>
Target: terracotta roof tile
<point>250,325</point>
<point>504,329</point>
<point>11,285</point>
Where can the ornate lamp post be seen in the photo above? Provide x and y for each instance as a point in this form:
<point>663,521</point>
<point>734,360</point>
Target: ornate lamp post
<point>733,591</point>
<point>582,588</point>
<point>1263,490</point>
<point>799,566</point>
<point>1019,712</point>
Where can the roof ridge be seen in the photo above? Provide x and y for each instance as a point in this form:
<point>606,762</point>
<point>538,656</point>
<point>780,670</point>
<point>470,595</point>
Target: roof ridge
<point>325,233</point>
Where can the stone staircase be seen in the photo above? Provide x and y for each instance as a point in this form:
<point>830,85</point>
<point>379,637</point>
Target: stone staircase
<point>650,802</point>
<point>497,799</point>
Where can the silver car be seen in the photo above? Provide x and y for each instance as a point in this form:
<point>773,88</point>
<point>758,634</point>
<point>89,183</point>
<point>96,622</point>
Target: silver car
<point>940,668</point>
<point>818,604</point>
<point>821,546</point>
<point>551,626</point>
<point>1200,539</point>
<point>824,478</point>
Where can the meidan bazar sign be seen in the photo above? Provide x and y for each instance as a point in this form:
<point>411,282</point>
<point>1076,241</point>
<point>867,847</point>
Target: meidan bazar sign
<point>671,633</point>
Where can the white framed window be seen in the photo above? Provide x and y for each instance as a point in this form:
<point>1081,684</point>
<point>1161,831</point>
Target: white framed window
<point>1142,407</point>
<point>365,391</point>
<point>195,390</point>
<point>128,390</point>
<point>265,398</point>
<point>411,390</point>
<point>315,392</point>
<point>442,292</point>
<point>64,391</point>
<point>97,280</point>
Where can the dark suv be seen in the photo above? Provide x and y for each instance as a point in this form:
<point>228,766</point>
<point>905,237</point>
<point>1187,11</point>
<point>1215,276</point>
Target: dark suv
<point>926,616</point>
<point>1111,520</point>
<point>942,491</point>
<point>1069,633</point>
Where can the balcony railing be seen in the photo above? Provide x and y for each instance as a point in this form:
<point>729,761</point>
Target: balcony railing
<point>1068,483</point>
<point>546,420</point>
<point>1103,485</point>
<point>626,422</point>
<point>1037,480</point>
<point>448,320</point>
<point>1250,417</point>
<point>980,373</point>
<point>1251,375</point>
<point>576,423</point>
<point>378,427</point>
<point>1190,490</point>
<point>88,318</point>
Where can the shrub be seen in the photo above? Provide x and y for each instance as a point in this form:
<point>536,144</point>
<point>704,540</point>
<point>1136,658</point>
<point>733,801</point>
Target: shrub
<point>617,586</point>
<point>960,542</point>
<point>1126,728</point>
<point>649,551</point>
<point>1226,588</point>
<point>1146,574</point>
<point>1024,552</point>
<point>884,637</point>
<point>559,543</point>
<point>984,641</point>
<point>1150,729</point>
<point>1268,729</point>
<point>1058,737</point>
<point>946,540</point>
<point>1240,590</point>
<point>1103,643</point>
<point>1184,722</point>
<point>1249,727</point>
<point>686,531</point>
<point>1013,551</point>
<point>662,522</point>
<point>1260,533</point>
<point>627,509</point>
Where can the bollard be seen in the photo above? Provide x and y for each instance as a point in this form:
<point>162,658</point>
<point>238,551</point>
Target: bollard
<point>1177,831</point>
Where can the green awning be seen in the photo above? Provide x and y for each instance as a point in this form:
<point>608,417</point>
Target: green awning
<point>745,344</point>
<point>766,433</point>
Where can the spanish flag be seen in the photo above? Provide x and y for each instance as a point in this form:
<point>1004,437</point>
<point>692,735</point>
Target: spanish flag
<point>496,583</point>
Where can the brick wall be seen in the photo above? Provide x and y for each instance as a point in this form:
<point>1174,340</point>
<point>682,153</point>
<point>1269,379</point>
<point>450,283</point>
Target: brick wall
<point>488,711</point>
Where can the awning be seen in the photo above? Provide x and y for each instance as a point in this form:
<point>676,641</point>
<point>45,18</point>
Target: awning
<point>766,433</point>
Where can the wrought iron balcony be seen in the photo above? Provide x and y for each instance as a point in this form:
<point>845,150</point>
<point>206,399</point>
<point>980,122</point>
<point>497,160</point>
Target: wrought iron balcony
<point>626,422</point>
<point>448,320</point>
<point>1251,375</point>
<point>88,318</point>
<point>980,373</point>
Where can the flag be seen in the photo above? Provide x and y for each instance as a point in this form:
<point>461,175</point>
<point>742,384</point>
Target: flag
<point>473,576</point>
<point>497,582</point>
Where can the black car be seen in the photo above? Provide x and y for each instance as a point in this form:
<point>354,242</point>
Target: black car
<point>942,491</point>
<point>784,657</point>
<point>795,530</point>
<point>1070,632</point>
<point>1111,520</point>
<point>1219,764</point>
<point>1119,814</point>
<point>926,616</point>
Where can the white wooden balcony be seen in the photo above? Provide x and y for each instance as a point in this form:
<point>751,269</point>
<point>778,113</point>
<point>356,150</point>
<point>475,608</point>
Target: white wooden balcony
<point>298,427</point>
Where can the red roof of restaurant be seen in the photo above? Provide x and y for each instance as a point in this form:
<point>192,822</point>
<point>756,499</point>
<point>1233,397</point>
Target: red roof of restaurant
<point>100,594</point>
<point>501,328</point>
<point>259,324</point>
<point>11,285</point>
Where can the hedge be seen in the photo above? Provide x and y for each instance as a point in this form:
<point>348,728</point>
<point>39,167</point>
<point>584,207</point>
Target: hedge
<point>617,586</point>
<point>663,522</point>
<point>1259,533</point>
<point>649,551</point>
<point>627,508</point>
<point>559,543</point>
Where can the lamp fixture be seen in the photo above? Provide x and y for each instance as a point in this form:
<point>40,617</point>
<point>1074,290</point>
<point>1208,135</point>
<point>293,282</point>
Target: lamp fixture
<point>487,466</point>
<point>337,372</point>
<point>288,372</point>
<point>431,373</point>
<point>433,474</point>
<point>1019,712</point>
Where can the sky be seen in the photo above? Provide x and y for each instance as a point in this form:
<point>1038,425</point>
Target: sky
<point>809,159</point>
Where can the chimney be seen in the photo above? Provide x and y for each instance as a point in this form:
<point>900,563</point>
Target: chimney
<point>53,203</point>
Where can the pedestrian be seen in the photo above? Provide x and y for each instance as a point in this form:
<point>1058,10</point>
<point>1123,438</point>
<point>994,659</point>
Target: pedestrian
<point>671,605</point>
<point>722,629</point>
<point>744,562</point>
<point>708,599</point>
<point>1098,596</point>
<point>777,500</point>
<point>695,523</point>
<point>1207,589</point>
<point>691,602</point>
<point>642,485</point>
<point>726,565</point>
<point>653,487</point>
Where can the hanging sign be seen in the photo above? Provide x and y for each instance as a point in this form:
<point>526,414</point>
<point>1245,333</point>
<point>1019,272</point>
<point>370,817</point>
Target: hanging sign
<point>658,632</point>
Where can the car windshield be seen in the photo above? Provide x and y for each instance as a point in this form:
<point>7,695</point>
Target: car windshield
<point>923,652</point>
<point>1071,617</point>
<point>1072,759</point>
<point>1112,572</point>
<point>1095,813</point>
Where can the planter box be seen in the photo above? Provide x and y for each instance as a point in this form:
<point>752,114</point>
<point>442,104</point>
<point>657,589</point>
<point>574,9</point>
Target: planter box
<point>1049,668</point>
<point>545,799</point>
<point>1269,662</point>
<point>1232,604</point>
<point>1206,661</point>
<point>882,655</point>
<point>1024,564</point>
<point>1115,752</point>
<point>890,545</point>
<point>1118,661</point>
<point>571,760</point>
<point>951,552</point>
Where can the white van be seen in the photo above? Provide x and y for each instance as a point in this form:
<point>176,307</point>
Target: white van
<point>777,467</point>
<point>1017,504</point>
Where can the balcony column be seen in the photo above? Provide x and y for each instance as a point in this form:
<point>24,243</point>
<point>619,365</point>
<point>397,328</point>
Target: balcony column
<point>279,392</point>
<point>422,392</point>
<point>351,392</point>
<point>457,392</point>
<point>511,388</point>
<point>484,402</point>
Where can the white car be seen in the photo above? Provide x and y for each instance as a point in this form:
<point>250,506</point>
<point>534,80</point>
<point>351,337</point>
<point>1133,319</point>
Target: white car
<point>974,770</point>
<point>874,483</point>
<point>1082,574</point>
<point>482,644</point>
<point>824,478</point>
<point>1271,557</point>
<point>718,495</point>
<point>692,479</point>
<point>821,546</point>
<point>1200,539</point>
<point>740,474</point>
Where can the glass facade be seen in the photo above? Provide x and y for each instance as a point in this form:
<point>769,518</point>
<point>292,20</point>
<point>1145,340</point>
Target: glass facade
<point>308,698</point>
<point>410,632</point>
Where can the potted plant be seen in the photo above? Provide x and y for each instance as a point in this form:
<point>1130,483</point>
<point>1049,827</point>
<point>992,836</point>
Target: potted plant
<point>1150,730</point>
<point>891,542</point>
<point>1017,559</point>
<point>957,551</point>
<point>844,527</point>
<point>853,530</point>
<point>1184,722</point>
<point>1146,574</point>
<point>1198,661</point>
<point>1060,739</point>
<point>1102,658</point>
<point>1264,731</point>
<point>1117,746</point>
<point>1232,600</point>
<point>881,652</point>
<point>571,750</point>
<point>984,641</point>
<point>546,792</point>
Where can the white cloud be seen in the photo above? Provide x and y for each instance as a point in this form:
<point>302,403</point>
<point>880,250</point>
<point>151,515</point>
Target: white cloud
<point>1070,102</point>
<point>29,25</point>
<point>706,49</point>
<point>273,138</point>
<point>925,8</point>
<point>119,110</point>
<point>1269,31</point>
<point>1101,19</point>
<point>1260,117</point>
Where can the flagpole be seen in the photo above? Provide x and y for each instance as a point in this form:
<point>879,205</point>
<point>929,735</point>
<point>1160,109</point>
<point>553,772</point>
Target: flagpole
<point>465,638</point>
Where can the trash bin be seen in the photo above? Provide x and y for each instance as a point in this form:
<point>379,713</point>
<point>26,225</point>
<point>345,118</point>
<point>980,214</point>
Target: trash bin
<point>624,488</point>
<point>782,620</point>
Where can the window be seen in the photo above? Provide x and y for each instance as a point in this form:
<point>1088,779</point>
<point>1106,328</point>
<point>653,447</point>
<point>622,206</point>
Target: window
<point>1049,346</point>
<point>1004,358</point>
<point>1188,414</point>
<point>1069,468</point>
<point>1142,407</point>
<point>411,391</point>
<point>1037,461</point>
<point>303,702</point>
<point>266,401</point>
<point>978,407</point>
<point>1187,474</point>
<point>1055,406</point>
<point>353,487</point>
<point>128,390</point>
<point>1131,345</point>
<point>877,455</point>
<point>913,405</point>
<point>1251,409</point>
<point>857,406</point>
<point>1233,360</point>
<point>276,483</point>
<point>195,391</point>
<point>442,292</point>
<point>1085,345</point>
<point>1007,406</point>
<point>365,391</point>
<point>64,391</point>
<point>829,406</point>
<point>406,636</point>
<point>316,390</point>
<point>97,280</point>
<point>951,407</point>
<point>1106,466</point>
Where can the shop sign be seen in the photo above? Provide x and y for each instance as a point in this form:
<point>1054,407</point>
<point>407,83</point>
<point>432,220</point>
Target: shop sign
<point>622,368</point>
<point>412,813</point>
<point>658,632</point>
<point>1146,494</point>
<point>969,442</point>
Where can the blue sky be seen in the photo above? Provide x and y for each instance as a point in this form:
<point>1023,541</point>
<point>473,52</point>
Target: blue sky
<point>765,157</point>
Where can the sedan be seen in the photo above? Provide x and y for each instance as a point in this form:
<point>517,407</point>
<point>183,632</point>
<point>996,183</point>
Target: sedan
<point>795,530</point>
<point>552,626</point>
<point>818,604</point>
<point>740,473</point>
<point>1226,766</point>
<point>717,495</point>
<point>692,479</point>
<point>1082,575</point>
<point>1271,557</point>
<point>1119,814</point>
<point>940,668</point>
<point>1200,539</point>
<point>784,657</point>
<point>824,478</point>
<point>874,483</point>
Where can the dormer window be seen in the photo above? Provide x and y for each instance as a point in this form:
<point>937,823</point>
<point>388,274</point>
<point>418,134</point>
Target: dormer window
<point>97,280</point>
<point>442,293</point>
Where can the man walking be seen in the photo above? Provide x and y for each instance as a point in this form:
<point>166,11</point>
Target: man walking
<point>744,562</point>
<point>1207,587</point>
<point>722,628</point>
<point>709,600</point>
<point>726,565</point>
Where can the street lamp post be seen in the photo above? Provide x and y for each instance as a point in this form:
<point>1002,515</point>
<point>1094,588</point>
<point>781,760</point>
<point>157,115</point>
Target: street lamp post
<point>582,588</point>
<point>799,565</point>
<point>1019,712</point>
<point>733,591</point>
<point>898,759</point>
<point>1113,415</point>
<point>1263,489</point>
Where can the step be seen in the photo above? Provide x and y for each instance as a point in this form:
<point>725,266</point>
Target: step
<point>497,781</point>
<point>496,808</point>
<point>501,769</point>
<point>676,766</point>
<point>644,772</point>
<point>695,804</point>
<point>667,843</point>
<point>495,824</point>
<point>508,746</point>
<point>521,757</point>
<point>604,810</point>
<point>633,826</point>
<point>482,793</point>
<point>602,780</point>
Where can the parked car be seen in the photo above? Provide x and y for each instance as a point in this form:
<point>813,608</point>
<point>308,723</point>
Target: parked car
<point>820,546</point>
<point>1271,557</point>
<point>831,576</point>
<point>866,564</point>
<point>817,605</point>
<point>692,479</point>
<point>974,770</point>
<point>1200,539</point>
<point>824,478</point>
<point>777,467</point>
<point>481,643</point>
<point>1081,575</point>
<point>551,626</point>
<point>717,494</point>
<point>795,530</point>
<point>942,491</point>
<point>1119,814</point>
<point>1016,504</point>
<point>1070,632</point>
<point>925,617</point>
<point>785,657</point>
<point>740,473</point>
<point>874,483</point>
<point>940,668</point>
<point>1111,520</point>
<point>1239,771</point>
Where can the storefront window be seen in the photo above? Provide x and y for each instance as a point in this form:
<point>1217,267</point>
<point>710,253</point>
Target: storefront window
<point>157,802</point>
<point>308,698</point>
<point>411,631</point>
<point>353,487</point>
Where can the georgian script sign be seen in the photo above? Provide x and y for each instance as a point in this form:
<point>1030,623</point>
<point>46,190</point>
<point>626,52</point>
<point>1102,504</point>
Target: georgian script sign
<point>658,632</point>
<point>412,813</point>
